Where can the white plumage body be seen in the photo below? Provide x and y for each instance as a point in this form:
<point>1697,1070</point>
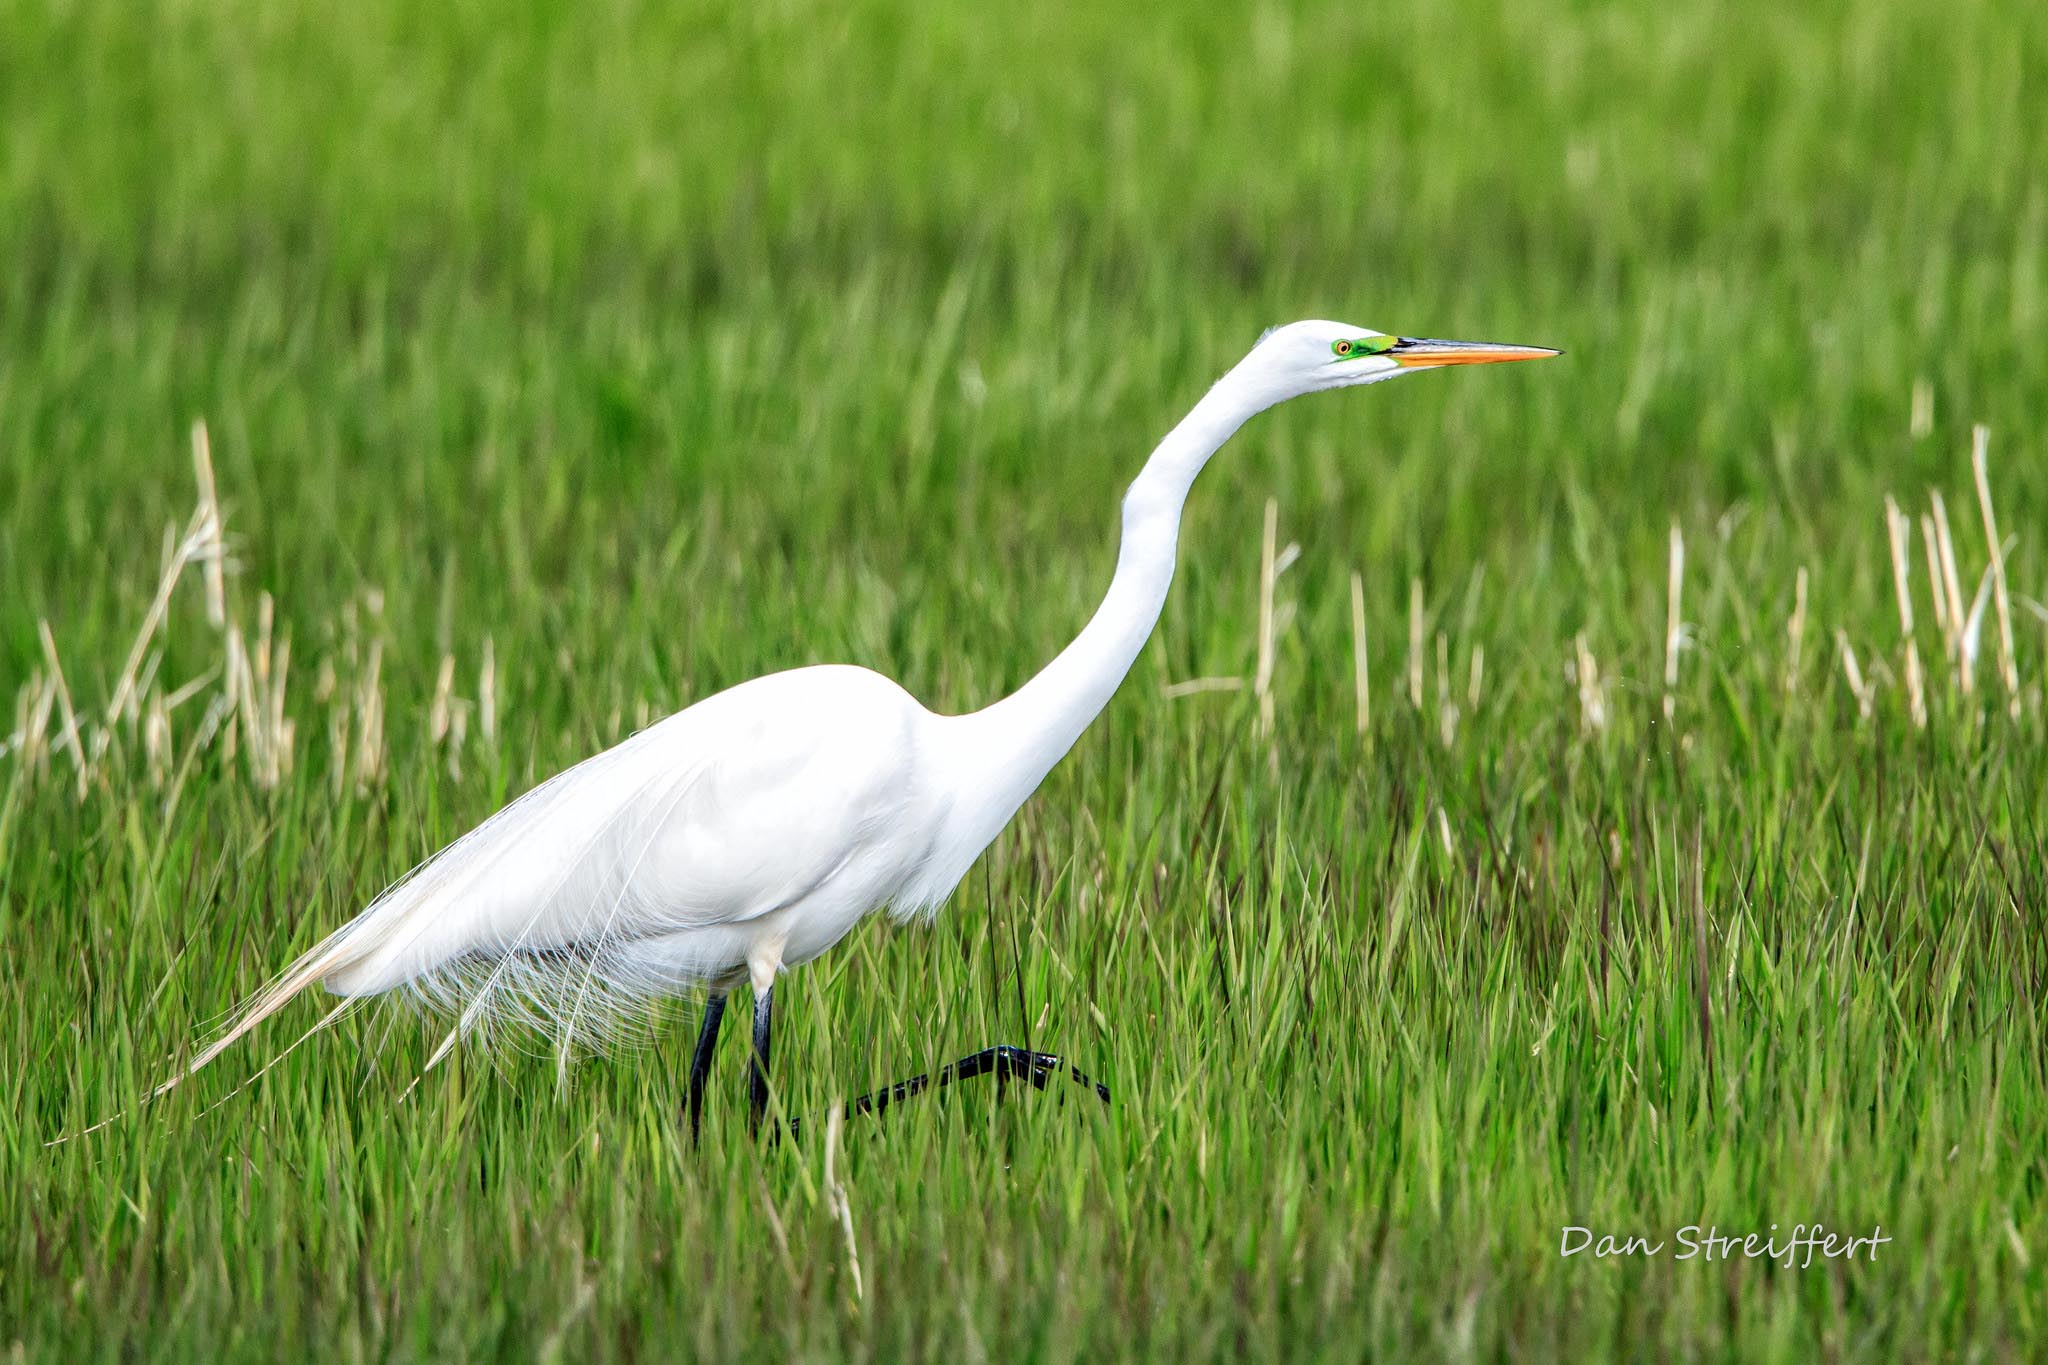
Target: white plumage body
<point>774,813</point>
<point>745,834</point>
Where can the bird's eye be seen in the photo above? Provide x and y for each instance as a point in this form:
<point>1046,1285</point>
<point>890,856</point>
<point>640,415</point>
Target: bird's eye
<point>1342,348</point>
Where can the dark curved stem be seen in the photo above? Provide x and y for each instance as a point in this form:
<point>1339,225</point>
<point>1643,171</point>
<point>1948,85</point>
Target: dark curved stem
<point>1004,1062</point>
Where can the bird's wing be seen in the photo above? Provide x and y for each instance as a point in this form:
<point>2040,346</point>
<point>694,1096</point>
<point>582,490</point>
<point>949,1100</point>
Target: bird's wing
<point>723,812</point>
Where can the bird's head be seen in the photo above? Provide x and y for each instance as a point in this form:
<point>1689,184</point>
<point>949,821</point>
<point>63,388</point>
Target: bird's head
<point>1305,357</point>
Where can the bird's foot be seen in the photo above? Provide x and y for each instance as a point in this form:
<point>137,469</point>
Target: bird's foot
<point>1003,1061</point>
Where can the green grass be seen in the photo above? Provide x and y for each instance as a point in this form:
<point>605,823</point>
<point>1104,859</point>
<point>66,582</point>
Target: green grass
<point>661,346</point>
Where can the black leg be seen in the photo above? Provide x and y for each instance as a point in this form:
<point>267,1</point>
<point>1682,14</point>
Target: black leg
<point>700,1060</point>
<point>1004,1062</point>
<point>764,1009</point>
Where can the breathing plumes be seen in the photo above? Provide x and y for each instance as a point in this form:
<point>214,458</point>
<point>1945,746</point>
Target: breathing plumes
<point>557,958</point>
<point>587,998</point>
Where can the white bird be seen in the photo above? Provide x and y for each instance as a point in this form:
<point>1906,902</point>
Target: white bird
<point>749,832</point>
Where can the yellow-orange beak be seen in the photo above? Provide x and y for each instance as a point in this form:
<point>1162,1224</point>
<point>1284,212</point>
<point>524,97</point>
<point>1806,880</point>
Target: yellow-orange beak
<point>1416,353</point>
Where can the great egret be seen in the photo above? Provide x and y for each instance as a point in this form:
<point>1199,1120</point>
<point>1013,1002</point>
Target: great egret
<point>749,832</point>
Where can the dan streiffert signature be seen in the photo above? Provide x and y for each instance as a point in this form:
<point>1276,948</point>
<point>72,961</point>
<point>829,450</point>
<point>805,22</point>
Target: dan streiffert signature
<point>1796,1250</point>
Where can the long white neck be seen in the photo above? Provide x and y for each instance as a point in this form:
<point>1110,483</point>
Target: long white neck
<point>1015,743</point>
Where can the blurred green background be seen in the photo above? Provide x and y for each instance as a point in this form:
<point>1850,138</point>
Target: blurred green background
<point>504,282</point>
<point>663,345</point>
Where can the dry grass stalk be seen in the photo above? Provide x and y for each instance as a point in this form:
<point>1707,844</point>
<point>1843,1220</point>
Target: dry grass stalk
<point>237,689</point>
<point>1973,628</point>
<point>2008,662</point>
<point>215,567</point>
<point>1446,708</point>
<point>1475,676</point>
<point>1899,533</point>
<point>369,720</point>
<point>131,712</point>
<point>1195,686</point>
<point>339,750</point>
<point>262,674</point>
<point>212,723</point>
<point>1795,632</point>
<point>1592,692</point>
<point>487,695</point>
<point>258,707</point>
<point>836,1201</point>
<point>191,689</point>
<point>444,691</point>
<point>1921,423</point>
<point>33,706</point>
<point>282,729</point>
<point>458,730</point>
<point>266,622</point>
<point>1952,588</point>
<point>1864,692</point>
<point>198,537</point>
<point>69,717</point>
<point>1415,642</point>
<point>1930,544</point>
<point>157,749</point>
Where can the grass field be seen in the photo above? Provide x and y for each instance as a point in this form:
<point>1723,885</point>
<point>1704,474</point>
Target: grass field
<point>617,353</point>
